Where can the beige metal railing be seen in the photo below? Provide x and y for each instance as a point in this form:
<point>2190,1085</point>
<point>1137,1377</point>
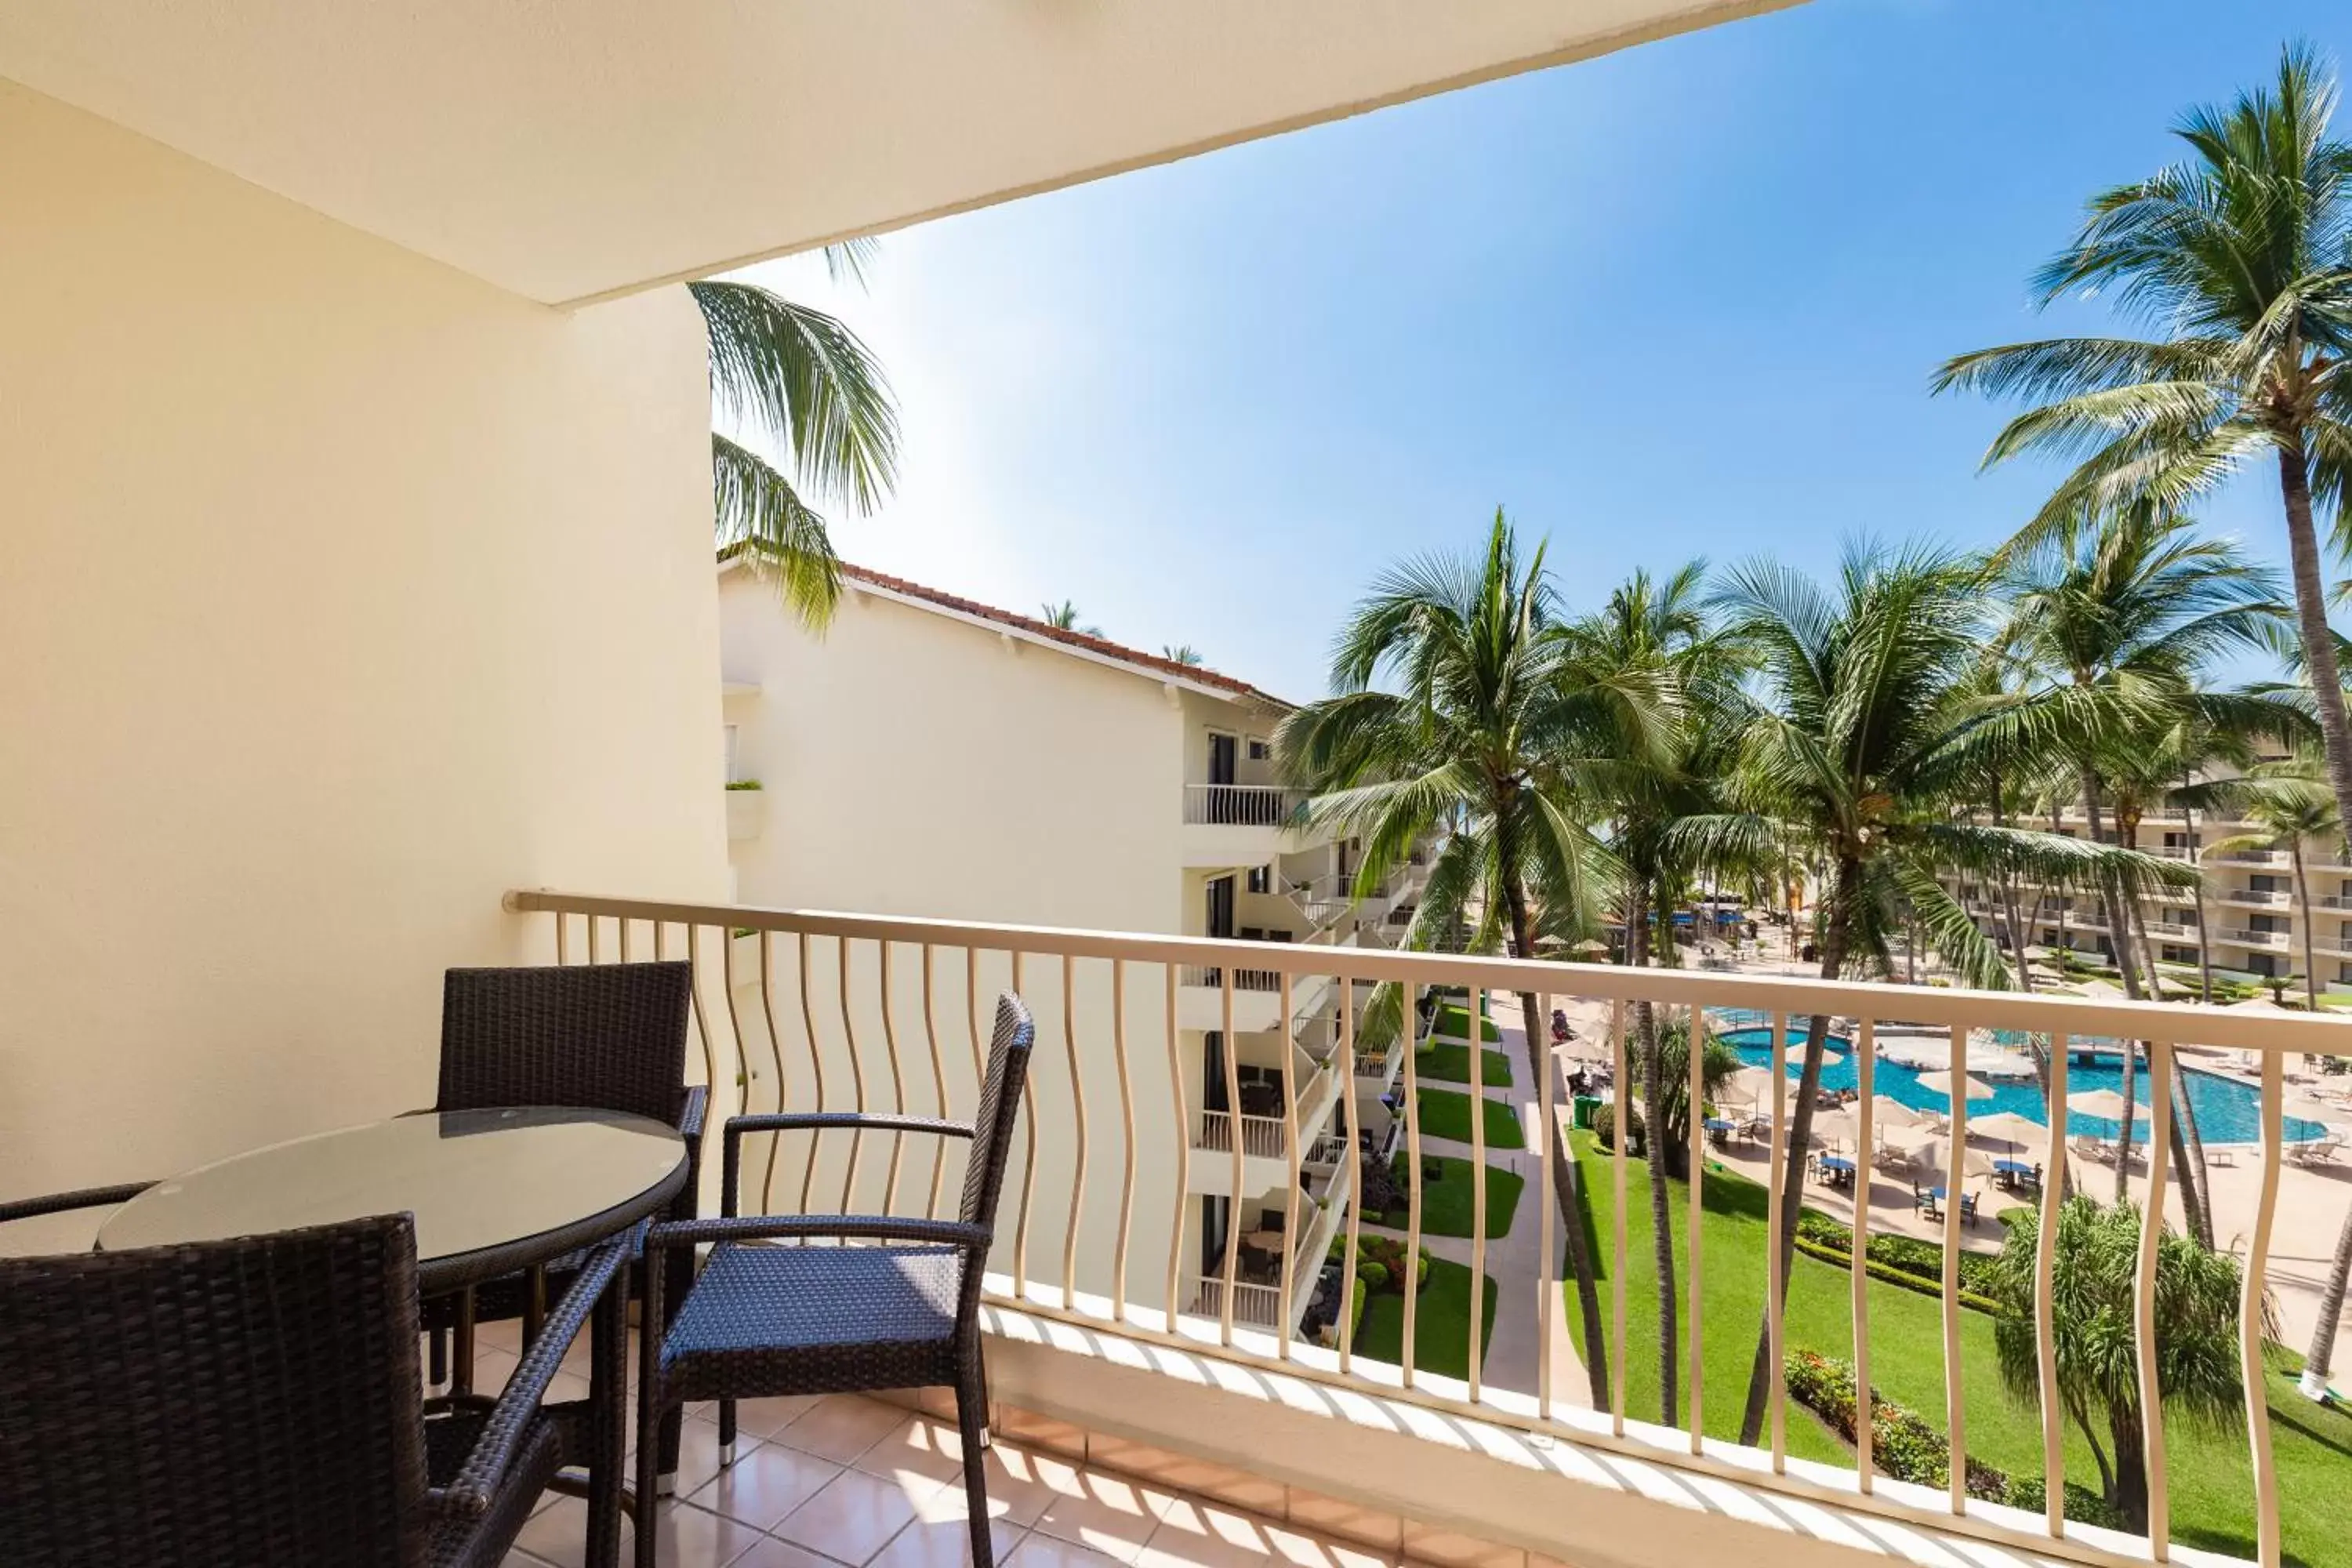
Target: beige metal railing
<point>819,1010</point>
<point>1240,805</point>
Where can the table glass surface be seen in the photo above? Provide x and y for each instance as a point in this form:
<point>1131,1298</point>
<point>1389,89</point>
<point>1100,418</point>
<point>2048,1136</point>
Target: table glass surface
<point>473,1179</point>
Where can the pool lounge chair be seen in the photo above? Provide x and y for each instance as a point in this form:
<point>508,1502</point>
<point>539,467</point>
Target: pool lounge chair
<point>2320,1150</point>
<point>2086,1147</point>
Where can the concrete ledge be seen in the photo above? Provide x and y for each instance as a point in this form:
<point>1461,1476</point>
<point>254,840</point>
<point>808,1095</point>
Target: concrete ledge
<point>1592,1506</point>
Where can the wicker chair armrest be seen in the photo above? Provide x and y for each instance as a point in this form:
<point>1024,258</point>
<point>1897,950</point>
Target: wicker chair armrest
<point>63,1203</point>
<point>731,1138</point>
<point>786,1121</point>
<point>470,1495</point>
<point>691,1115</point>
<point>863,1226</point>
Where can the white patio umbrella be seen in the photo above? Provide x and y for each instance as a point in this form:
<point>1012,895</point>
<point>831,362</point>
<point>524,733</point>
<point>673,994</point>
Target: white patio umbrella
<point>2108,1105</point>
<point>1886,1113</point>
<point>1941,1083</point>
<point>2007,1128</point>
<point>1935,1152</point>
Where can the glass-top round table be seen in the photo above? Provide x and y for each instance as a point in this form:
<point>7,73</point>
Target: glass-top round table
<point>491,1190</point>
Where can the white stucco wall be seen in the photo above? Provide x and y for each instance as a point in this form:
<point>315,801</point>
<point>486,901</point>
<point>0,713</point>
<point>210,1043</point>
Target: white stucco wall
<point>919,766</point>
<point>339,592</point>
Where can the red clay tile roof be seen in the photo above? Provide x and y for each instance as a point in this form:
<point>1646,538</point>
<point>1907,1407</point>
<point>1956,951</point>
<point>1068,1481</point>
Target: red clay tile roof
<point>1108,648</point>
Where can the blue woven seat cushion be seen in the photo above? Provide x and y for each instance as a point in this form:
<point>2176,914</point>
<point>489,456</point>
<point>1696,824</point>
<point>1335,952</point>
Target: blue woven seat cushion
<point>766,1320</point>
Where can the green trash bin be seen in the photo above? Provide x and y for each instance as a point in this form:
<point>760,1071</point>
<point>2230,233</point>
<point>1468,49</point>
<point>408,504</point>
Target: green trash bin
<point>1586,1106</point>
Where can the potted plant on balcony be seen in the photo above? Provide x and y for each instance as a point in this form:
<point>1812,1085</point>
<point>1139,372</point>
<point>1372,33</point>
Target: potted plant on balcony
<point>746,809</point>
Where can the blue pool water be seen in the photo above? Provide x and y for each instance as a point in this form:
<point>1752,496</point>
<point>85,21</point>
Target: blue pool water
<point>2227,1111</point>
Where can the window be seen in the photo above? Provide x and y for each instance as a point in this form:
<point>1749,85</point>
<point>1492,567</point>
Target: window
<point>2179,954</point>
<point>1260,879</point>
<point>1258,749</point>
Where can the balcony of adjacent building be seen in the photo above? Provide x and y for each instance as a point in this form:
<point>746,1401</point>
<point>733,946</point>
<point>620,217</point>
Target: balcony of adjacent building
<point>1273,1262</point>
<point>1229,824</point>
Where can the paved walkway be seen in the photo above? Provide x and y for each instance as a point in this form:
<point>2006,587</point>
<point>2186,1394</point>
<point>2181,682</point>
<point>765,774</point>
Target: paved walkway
<point>1529,1302</point>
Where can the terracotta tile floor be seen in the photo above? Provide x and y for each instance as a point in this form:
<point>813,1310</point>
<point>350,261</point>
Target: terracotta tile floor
<point>844,1480</point>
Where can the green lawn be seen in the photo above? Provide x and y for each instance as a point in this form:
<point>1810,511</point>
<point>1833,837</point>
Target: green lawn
<point>1441,1323</point>
<point>1446,1114</point>
<point>2212,1476</point>
<point>1446,1202</point>
<point>1449,1062</point>
<point>1455,1020</point>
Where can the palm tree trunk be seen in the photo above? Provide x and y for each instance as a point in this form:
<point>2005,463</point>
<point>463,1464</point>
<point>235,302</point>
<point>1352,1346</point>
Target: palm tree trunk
<point>2008,898</point>
<point>2303,898</point>
<point>1563,1176</point>
<point>2311,621</point>
<point>2188,1154</point>
<point>1801,1132</point>
<point>2188,1149</point>
<point>1653,1146</point>
<point>2318,1360</point>
<point>2130,1121</point>
<point>2197,862</point>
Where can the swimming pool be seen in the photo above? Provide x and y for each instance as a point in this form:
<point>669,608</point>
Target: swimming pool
<point>2227,1111</point>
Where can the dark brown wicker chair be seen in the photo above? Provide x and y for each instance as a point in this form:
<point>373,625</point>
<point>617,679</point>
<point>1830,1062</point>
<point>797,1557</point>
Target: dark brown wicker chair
<point>258,1402</point>
<point>768,1320</point>
<point>607,1036</point>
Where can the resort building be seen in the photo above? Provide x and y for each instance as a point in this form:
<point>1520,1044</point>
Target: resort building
<point>1011,770</point>
<point>2254,913</point>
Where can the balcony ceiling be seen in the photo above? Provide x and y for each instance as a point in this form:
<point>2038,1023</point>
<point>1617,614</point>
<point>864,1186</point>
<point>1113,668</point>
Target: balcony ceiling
<point>571,151</point>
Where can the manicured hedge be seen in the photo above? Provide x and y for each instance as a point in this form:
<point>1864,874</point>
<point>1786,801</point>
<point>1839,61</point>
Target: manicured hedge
<point>1905,1446</point>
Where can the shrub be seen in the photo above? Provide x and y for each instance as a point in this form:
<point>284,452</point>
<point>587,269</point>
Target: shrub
<point>1604,1124</point>
<point>1387,1253</point>
<point>1901,1443</point>
<point>743,783</point>
<point>2083,1505</point>
<point>1815,1226</point>
<point>1899,1278</point>
<point>1372,1275</point>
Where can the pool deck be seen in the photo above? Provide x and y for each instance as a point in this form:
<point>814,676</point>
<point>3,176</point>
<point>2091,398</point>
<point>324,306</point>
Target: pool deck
<point>2312,1200</point>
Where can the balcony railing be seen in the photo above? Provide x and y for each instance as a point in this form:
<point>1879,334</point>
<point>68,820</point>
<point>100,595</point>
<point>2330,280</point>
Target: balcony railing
<point>1263,1137</point>
<point>2172,929</point>
<point>812,1010</point>
<point>2253,857</point>
<point>2264,898</point>
<point>2243,938</point>
<point>1241,805</point>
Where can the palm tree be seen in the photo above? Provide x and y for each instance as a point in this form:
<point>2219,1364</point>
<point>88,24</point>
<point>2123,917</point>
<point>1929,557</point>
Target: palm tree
<point>1660,627</point>
<point>809,383</point>
<point>1871,726</point>
<point>1182,653</point>
<point>1493,734</point>
<point>2241,255</point>
<point>2127,612</point>
<point>2286,803</point>
<point>1063,616</point>
<point>2097,1267</point>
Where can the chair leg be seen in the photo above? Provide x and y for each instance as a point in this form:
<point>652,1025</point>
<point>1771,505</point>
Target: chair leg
<point>726,1433</point>
<point>676,1280</point>
<point>437,1357</point>
<point>461,1345</point>
<point>971,1421</point>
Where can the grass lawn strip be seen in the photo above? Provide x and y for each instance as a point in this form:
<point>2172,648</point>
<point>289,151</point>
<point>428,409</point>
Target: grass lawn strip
<point>1444,1113</point>
<point>1446,1204</point>
<point>2210,1475</point>
<point>1451,1019</point>
<point>1448,1061</point>
<point>1441,1327</point>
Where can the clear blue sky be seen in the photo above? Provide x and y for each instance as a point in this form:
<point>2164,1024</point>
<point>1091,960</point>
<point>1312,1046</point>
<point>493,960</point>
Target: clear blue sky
<point>1681,301</point>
